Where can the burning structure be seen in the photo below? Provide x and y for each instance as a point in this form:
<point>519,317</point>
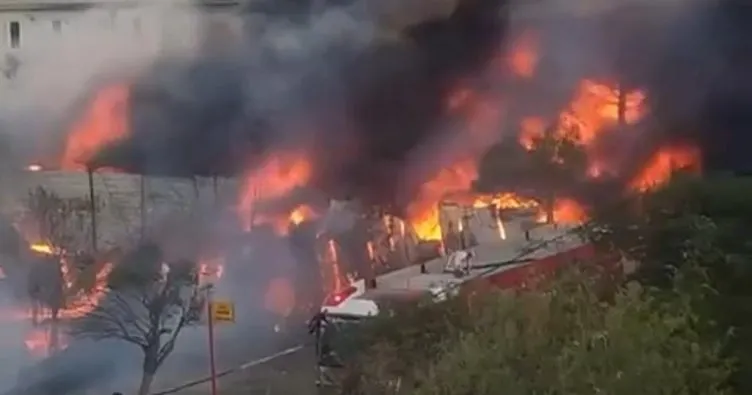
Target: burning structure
<point>348,147</point>
<point>442,129</point>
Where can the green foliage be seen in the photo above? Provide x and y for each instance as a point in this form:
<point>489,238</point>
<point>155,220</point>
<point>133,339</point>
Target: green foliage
<point>700,221</point>
<point>411,336</point>
<point>561,340</point>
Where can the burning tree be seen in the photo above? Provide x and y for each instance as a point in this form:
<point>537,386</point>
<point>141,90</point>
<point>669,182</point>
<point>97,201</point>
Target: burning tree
<point>552,164</point>
<point>147,304</point>
<point>56,224</point>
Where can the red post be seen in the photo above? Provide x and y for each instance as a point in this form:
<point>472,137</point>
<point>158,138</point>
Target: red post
<point>210,322</point>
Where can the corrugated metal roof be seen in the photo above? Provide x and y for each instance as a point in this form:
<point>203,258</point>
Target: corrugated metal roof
<point>544,241</point>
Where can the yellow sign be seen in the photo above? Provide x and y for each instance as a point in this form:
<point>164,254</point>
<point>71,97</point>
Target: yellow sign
<point>223,311</point>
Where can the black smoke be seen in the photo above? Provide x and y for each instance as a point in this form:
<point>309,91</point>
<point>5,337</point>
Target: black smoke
<point>363,111</point>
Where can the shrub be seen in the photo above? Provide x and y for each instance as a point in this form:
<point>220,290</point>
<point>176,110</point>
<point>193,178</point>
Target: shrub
<point>561,340</point>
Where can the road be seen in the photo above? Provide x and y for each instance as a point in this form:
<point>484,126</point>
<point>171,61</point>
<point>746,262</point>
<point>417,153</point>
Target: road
<point>233,347</point>
<point>289,374</point>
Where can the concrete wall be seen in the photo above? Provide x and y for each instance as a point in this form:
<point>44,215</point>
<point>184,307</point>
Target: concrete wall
<point>118,199</point>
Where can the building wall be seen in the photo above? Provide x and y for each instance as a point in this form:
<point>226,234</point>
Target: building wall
<point>119,200</point>
<point>50,26</point>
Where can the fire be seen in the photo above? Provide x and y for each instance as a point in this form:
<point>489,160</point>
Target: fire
<point>566,211</point>
<point>103,122</point>
<point>77,303</point>
<point>660,167</point>
<point>595,107</point>
<point>523,59</point>
<point>41,248</point>
<point>277,176</point>
<point>592,111</point>
<point>423,212</point>
<point>301,214</point>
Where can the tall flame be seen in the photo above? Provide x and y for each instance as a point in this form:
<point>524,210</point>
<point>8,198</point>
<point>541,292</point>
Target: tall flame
<point>663,163</point>
<point>277,176</point>
<point>103,122</point>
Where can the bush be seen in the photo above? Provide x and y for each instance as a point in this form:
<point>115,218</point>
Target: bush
<point>562,340</point>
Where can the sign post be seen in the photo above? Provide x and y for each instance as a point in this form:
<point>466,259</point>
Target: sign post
<point>210,323</point>
<point>216,311</point>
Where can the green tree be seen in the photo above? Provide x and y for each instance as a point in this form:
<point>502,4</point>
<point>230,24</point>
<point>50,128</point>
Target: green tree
<point>568,341</point>
<point>561,339</point>
<point>147,304</point>
<point>555,164</point>
<point>700,220</point>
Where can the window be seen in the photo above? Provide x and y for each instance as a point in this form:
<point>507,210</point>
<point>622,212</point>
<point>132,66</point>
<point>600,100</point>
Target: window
<point>57,26</point>
<point>15,34</point>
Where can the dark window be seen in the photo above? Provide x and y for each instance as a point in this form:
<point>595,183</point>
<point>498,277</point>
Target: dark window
<point>15,34</point>
<point>57,26</point>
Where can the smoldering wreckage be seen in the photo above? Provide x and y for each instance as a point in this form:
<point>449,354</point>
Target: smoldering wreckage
<point>352,155</point>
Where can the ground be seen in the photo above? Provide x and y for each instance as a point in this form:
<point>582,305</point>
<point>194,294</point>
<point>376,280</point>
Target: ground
<point>292,374</point>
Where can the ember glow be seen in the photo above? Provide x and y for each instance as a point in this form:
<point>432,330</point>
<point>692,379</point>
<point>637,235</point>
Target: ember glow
<point>103,122</point>
<point>523,59</point>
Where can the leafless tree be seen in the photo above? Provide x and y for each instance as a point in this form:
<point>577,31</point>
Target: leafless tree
<point>56,223</point>
<point>147,304</point>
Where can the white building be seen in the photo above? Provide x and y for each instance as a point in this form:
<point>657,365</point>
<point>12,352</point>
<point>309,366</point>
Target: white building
<point>31,27</point>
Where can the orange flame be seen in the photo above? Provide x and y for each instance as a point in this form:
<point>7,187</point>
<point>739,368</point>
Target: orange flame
<point>78,304</point>
<point>104,121</point>
<point>523,59</point>
<point>423,212</point>
<point>41,248</point>
<point>660,167</point>
<point>301,214</point>
<point>276,177</point>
